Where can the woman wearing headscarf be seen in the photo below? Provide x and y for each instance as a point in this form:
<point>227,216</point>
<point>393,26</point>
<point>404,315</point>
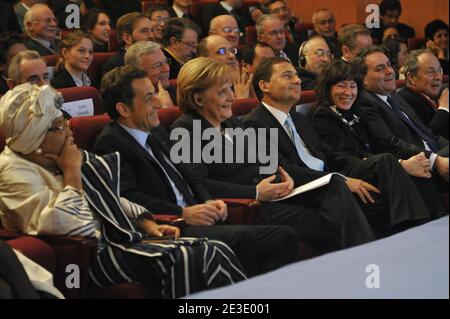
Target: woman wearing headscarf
<point>48,186</point>
<point>339,125</point>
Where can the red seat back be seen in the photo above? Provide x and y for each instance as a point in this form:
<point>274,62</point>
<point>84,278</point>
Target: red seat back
<point>51,60</point>
<point>242,107</point>
<point>416,43</point>
<point>168,115</point>
<point>113,41</point>
<point>82,93</point>
<point>308,99</point>
<point>250,32</point>
<point>95,70</point>
<point>86,129</point>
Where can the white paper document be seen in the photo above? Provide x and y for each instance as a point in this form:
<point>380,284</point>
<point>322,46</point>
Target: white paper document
<point>324,180</point>
<point>79,108</point>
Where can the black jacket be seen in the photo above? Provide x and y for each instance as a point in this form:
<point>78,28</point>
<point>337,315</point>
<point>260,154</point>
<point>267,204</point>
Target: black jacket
<point>308,79</point>
<point>142,179</point>
<point>388,133</point>
<point>437,120</point>
<point>63,79</point>
<point>36,46</point>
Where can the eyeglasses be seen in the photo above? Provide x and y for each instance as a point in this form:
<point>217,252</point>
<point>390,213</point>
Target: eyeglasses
<point>275,33</point>
<point>224,51</point>
<point>434,72</point>
<point>47,21</point>
<point>321,53</point>
<point>325,22</point>
<point>229,30</point>
<point>159,19</point>
<point>280,10</point>
<point>160,64</point>
<point>58,128</point>
<point>192,45</point>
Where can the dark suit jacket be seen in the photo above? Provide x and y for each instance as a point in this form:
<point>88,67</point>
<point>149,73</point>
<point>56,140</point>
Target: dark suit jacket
<point>388,133</point>
<point>237,180</point>
<point>308,79</point>
<point>175,66</point>
<point>437,120</point>
<point>216,9</point>
<point>142,179</point>
<point>333,131</point>
<point>291,51</point>
<point>8,19</point>
<point>118,8</point>
<point>63,79</point>
<point>288,157</point>
<point>36,46</point>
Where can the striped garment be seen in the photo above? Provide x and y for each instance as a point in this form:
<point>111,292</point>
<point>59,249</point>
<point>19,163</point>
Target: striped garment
<point>172,268</point>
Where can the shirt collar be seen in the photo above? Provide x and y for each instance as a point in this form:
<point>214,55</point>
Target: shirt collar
<point>138,135</point>
<point>226,6</point>
<point>84,81</point>
<point>178,12</point>
<point>383,97</point>
<point>279,115</point>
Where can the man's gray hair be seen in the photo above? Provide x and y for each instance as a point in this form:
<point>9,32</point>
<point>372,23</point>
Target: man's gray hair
<point>262,19</point>
<point>412,62</point>
<point>30,15</point>
<point>139,49</point>
<point>14,66</point>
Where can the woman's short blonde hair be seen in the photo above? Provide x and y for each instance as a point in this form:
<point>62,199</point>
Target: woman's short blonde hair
<point>198,75</point>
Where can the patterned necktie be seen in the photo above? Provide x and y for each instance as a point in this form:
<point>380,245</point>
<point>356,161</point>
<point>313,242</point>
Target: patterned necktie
<point>306,157</point>
<point>178,180</point>
<point>423,135</point>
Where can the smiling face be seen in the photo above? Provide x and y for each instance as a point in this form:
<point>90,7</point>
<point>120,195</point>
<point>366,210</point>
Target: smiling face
<point>440,38</point>
<point>157,68</point>
<point>80,56</point>
<point>428,77</point>
<point>215,102</point>
<point>143,114</point>
<point>102,28</point>
<point>220,49</point>
<point>44,24</point>
<point>283,89</point>
<point>317,55</point>
<point>380,77</point>
<point>343,94</point>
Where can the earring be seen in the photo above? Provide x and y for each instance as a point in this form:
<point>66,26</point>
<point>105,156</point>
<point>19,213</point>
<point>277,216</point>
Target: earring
<point>38,151</point>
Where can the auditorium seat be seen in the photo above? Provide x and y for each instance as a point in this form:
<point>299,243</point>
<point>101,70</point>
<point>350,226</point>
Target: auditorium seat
<point>307,100</point>
<point>168,115</point>
<point>95,70</point>
<point>113,41</point>
<point>250,32</point>
<point>51,60</point>
<point>86,129</point>
<point>242,107</point>
<point>82,93</point>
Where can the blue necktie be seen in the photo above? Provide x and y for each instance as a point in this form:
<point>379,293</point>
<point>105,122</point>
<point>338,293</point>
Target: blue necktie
<point>306,157</point>
<point>423,135</point>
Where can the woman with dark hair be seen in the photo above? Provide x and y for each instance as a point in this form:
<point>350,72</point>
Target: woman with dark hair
<point>76,56</point>
<point>96,24</point>
<point>436,35</point>
<point>339,125</point>
<point>397,52</point>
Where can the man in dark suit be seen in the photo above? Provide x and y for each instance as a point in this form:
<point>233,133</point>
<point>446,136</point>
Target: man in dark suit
<point>149,178</point>
<point>117,8</point>
<point>324,24</point>
<point>41,27</point>
<point>280,9</point>
<point>8,19</point>
<point>300,150</point>
<point>224,7</point>
<point>131,28</point>
<point>392,124</point>
<point>271,30</point>
<point>423,85</point>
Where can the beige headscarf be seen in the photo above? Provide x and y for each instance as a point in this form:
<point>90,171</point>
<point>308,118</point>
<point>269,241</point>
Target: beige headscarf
<point>26,114</point>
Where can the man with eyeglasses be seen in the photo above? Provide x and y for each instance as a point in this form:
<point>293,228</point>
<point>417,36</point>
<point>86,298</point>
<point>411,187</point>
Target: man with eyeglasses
<point>150,57</point>
<point>219,49</point>
<point>423,86</point>
<point>280,9</point>
<point>180,39</point>
<point>324,24</point>
<point>271,30</point>
<point>228,7</point>
<point>392,124</point>
<point>226,26</point>
<point>314,54</point>
<point>41,27</point>
<point>158,14</point>
<point>27,66</point>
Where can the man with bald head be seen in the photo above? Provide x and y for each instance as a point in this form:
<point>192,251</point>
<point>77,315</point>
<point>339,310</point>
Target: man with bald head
<point>41,28</point>
<point>324,24</point>
<point>219,49</point>
<point>226,26</point>
<point>314,54</point>
<point>228,7</point>
<point>27,67</point>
